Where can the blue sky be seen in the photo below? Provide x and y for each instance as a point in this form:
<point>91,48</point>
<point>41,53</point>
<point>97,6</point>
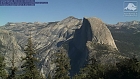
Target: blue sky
<point>110,11</point>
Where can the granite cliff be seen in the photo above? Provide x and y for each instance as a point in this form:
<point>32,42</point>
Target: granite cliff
<point>8,45</point>
<point>93,30</point>
<point>47,37</point>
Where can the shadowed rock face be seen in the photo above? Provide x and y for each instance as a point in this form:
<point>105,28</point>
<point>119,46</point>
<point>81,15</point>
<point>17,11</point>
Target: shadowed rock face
<point>47,37</point>
<point>94,30</point>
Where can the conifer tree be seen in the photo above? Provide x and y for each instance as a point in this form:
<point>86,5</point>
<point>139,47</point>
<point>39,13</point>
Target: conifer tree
<point>3,74</point>
<point>92,70</point>
<point>129,69</point>
<point>29,67</point>
<point>62,65</point>
<point>13,69</point>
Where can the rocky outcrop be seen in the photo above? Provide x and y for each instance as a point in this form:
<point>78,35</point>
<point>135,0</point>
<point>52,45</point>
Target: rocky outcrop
<point>47,37</point>
<point>93,30</point>
<point>8,46</point>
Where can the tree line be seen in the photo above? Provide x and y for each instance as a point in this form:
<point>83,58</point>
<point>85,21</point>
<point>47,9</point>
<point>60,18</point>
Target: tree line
<point>126,69</point>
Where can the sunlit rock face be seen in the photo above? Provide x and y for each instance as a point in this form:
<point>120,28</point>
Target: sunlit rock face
<point>48,37</point>
<point>8,46</point>
<point>93,30</point>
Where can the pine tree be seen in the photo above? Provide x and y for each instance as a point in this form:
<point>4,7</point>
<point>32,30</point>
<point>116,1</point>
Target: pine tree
<point>62,65</point>
<point>29,67</point>
<point>129,69</point>
<point>13,69</point>
<point>3,74</point>
<point>93,70</point>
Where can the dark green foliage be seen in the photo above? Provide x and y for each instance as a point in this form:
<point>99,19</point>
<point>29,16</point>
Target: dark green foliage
<point>12,73</point>
<point>3,73</point>
<point>129,69</point>
<point>90,72</point>
<point>30,70</point>
<point>93,70</point>
<point>126,69</point>
<point>13,69</point>
<point>62,65</point>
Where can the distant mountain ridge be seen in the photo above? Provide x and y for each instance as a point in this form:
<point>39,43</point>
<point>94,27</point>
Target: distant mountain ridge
<point>127,36</point>
<point>128,23</point>
<point>78,34</point>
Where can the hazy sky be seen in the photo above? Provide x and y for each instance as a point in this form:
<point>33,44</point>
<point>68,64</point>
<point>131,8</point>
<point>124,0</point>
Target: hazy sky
<point>110,11</point>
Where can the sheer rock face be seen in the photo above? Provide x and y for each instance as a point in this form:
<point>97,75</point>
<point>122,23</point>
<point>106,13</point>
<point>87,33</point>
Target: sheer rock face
<point>93,30</point>
<point>47,37</point>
